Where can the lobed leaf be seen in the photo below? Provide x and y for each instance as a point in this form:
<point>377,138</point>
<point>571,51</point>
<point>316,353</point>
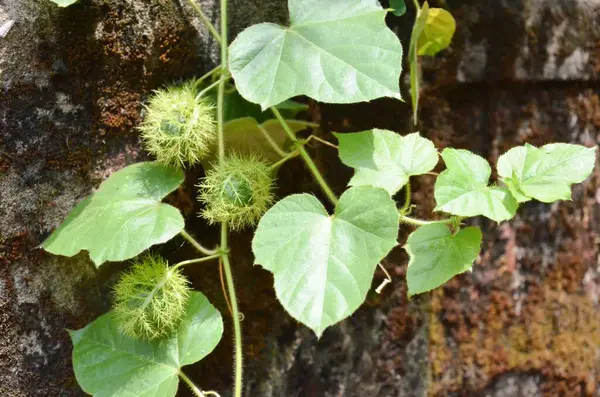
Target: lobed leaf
<point>547,173</point>
<point>437,255</point>
<point>385,159</point>
<point>316,55</point>
<point>323,264</point>
<point>437,33</point>
<point>110,364</point>
<point>462,189</point>
<point>123,218</point>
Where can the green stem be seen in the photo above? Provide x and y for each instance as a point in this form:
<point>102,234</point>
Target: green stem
<point>197,245</point>
<point>283,160</point>
<point>420,222</point>
<point>197,260</point>
<point>273,144</point>
<point>210,87</point>
<point>207,75</point>
<point>237,328</point>
<point>211,28</point>
<point>235,314</point>
<point>406,205</point>
<point>197,392</point>
<point>311,165</point>
<point>417,6</point>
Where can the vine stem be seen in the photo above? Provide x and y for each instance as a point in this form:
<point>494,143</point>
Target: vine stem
<point>197,245</point>
<point>210,87</point>
<point>197,260</point>
<point>283,160</point>
<point>237,328</point>
<point>421,222</point>
<point>235,315</point>
<point>417,5</point>
<point>207,75</point>
<point>311,165</point>
<point>197,392</point>
<point>211,28</point>
<point>274,145</point>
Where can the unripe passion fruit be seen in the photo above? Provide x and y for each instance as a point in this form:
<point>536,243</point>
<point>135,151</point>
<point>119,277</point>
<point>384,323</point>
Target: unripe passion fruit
<point>151,299</point>
<point>237,192</point>
<point>179,127</point>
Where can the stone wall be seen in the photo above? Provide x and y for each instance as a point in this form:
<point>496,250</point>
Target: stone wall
<point>525,322</point>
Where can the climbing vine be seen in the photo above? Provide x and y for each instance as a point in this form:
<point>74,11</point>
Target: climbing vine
<point>239,122</point>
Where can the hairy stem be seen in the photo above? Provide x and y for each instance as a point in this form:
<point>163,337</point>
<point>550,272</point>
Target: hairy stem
<point>311,165</point>
<point>213,85</point>
<point>237,328</point>
<point>273,144</point>
<point>235,315</point>
<point>207,75</point>
<point>197,245</point>
<point>197,260</point>
<point>211,28</point>
<point>197,392</point>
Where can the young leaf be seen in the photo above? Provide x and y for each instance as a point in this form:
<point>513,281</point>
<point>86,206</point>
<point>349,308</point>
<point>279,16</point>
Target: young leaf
<point>109,364</point>
<point>334,51</point>
<point>323,264</point>
<point>64,3</point>
<point>398,7</point>
<point>462,189</point>
<point>437,33</point>
<point>385,159</point>
<point>545,174</point>
<point>436,255</point>
<point>413,58</point>
<point>123,217</point>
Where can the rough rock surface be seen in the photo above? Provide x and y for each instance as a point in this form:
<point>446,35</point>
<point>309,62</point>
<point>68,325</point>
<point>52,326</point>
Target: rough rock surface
<point>525,323</point>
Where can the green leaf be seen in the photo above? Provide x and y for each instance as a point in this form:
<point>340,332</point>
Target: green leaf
<point>398,7</point>
<point>323,264</point>
<point>546,174</point>
<point>437,33</point>
<point>123,217</point>
<point>64,3</point>
<point>110,364</point>
<point>244,136</point>
<point>333,51</point>
<point>436,255</point>
<point>385,159</point>
<point>462,189</point>
<point>415,72</point>
<point>236,107</point>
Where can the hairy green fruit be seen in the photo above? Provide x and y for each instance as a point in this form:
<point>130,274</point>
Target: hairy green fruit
<point>151,299</point>
<point>237,192</point>
<point>179,127</point>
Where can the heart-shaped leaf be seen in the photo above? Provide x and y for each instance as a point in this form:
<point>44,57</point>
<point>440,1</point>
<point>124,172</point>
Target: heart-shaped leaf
<point>64,3</point>
<point>323,264</point>
<point>436,255</point>
<point>385,159</point>
<point>398,7</point>
<point>123,217</point>
<point>438,32</point>
<point>110,364</point>
<point>462,189</point>
<point>545,174</point>
<point>317,56</point>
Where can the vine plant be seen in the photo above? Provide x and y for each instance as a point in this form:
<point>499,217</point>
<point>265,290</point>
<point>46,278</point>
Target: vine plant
<point>323,264</point>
